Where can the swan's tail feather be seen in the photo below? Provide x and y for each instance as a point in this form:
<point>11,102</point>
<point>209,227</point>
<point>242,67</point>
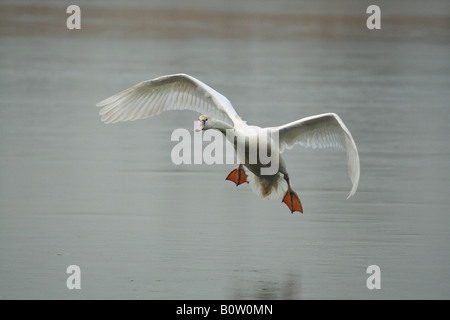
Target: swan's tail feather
<point>268,187</point>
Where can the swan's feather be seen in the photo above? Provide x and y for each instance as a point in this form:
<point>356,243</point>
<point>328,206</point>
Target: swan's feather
<point>267,187</point>
<point>323,131</point>
<point>172,92</point>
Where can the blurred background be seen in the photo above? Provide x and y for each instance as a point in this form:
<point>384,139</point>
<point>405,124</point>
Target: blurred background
<point>74,191</point>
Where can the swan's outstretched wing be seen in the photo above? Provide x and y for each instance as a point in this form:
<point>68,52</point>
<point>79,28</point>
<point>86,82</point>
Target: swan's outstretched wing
<point>172,92</point>
<point>322,131</point>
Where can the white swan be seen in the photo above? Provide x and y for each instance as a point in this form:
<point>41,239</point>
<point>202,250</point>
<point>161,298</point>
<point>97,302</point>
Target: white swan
<point>181,91</point>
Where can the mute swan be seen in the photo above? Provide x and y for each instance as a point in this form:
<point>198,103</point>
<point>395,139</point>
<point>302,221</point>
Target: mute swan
<point>181,91</point>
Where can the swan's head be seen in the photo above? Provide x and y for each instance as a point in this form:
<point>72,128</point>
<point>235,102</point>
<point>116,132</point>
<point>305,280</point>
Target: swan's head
<point>204,123</point>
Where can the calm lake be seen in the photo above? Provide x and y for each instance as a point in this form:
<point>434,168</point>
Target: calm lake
<point>107,198</point>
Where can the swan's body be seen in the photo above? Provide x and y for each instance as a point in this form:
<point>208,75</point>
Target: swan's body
<point>180,91</point>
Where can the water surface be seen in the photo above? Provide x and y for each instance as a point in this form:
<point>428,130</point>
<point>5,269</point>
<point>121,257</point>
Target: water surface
<point>108,198</point>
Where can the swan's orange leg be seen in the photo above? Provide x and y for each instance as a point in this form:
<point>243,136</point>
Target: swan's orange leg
<point>291,199</point>
<point>238,176</point>
<point>293,202</point>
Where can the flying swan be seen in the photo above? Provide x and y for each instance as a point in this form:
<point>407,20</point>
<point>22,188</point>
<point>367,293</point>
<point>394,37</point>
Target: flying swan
<point>181,91</point>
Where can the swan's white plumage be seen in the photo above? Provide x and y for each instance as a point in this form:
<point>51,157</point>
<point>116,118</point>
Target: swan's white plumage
<point>173,92</point>
<point>323,131</point>
<point>268,187</point>
<point>181,91</point>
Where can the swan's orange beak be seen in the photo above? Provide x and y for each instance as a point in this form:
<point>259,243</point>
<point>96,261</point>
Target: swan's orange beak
<point>201,125</point>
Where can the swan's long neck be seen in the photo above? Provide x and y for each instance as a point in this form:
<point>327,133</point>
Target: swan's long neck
<point>222,126</point>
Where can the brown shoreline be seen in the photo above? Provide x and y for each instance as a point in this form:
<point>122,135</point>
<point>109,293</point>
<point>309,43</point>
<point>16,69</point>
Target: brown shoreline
<point>19,20</point>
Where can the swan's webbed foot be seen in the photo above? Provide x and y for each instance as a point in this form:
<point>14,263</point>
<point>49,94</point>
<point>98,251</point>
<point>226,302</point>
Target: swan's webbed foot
<point>238,176</point>
<point>293,202</point>
<point>291,199</point>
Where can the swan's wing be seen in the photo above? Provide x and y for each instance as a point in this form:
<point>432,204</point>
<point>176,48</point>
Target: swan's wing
<point>322,131</point>
<point>172,92</point>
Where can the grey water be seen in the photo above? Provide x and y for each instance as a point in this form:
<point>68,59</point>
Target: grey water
<point>107,198</point>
